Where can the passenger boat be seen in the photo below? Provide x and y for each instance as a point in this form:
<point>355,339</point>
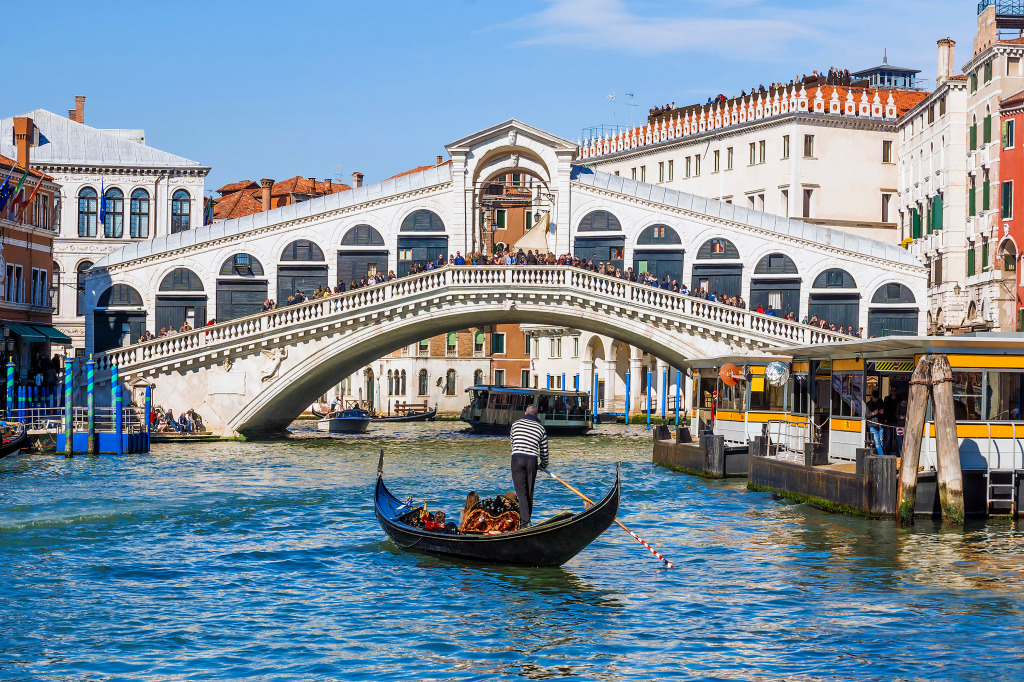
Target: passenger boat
<point>345,421</point>
<point>548,543</point>
<point>15,437</point>
<point>493,409</point>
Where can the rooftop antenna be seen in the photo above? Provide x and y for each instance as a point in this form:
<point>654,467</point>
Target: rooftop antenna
<point>611,98</point>
<point>340,175</point>
<point>885,56</point>
<point>632,105</point>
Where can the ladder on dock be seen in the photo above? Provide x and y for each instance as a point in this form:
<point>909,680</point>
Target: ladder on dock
<point>1001,486</point>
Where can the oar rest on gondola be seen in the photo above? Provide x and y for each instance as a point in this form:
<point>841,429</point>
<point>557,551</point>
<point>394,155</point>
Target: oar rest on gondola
<point>549,543</point>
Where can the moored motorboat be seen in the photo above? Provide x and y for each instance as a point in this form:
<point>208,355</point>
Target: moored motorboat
<point>15,437</point>
<point>410,417</point>
<point>345,421</point>
<point>548,543</point>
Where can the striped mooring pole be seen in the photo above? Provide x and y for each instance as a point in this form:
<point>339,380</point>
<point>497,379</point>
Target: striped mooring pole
<point>648,398</point>
<point>664,395</point>
<point>69,433</point>
<point>115,400</point>
<point>147,418</point>
<point>9,405</point>
<point>90,402</point>
<point>679,393</point>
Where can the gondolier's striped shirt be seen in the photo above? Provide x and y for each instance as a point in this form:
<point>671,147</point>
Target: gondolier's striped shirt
<point>529,438</point>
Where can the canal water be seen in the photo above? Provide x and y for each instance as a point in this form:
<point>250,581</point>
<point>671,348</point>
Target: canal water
<point>264,561</point>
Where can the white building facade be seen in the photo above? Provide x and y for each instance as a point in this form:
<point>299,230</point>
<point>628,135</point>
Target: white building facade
<point>142,194</point>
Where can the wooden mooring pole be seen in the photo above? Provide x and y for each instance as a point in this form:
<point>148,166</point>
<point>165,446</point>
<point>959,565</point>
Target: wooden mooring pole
<point>950,478</point>
<point>917,406</point>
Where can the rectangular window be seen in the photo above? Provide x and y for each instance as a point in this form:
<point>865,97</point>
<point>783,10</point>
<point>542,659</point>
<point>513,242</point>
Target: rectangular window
<point>732,398</point>
<point>500,223</point>
<point>885,207</point>
<point>1005,395</point>
<point>529,218</point>
<point>517,180</point>
<point>671,170</point>
<point>785,203</point>
<point>942,107</point>
<point>1008,131</point>
<point>988,71</point>
<point>808,194</point>
<point>931,115</point>
<point>661,171</point>
<point>633,170</point>
<point>405,254</point>
<point>972,203</point>
<point>424,347</point>
<point>760,202</point>
<point>499,377</point>
<point>967,390</point>
<point>1013,66</point>
<point>529,341</point>
<point>39,290</point>
<point>524,378</point>
<point>973,137</point>
<point>1006,200</point>
<point>575,346</point>
<point>498,343</point>
<point>750,202</point>
<point>689,168</point>
<point>986,202</point>
<point>886,151</point>
<point>728,158</point>
<point>551,348</point>
<point>760,151</point>
<point>987,129</point>
<point>785,146</point>
<point>808,146</point>
<point>696,165</point>
<point>970,261</point>
<point>984,254</point>
<point>14,291</point>
<point>847,394</point>
<point>643,173</point>
<point>718,160</point>
<point>974,82</point>
<point>753,154</point>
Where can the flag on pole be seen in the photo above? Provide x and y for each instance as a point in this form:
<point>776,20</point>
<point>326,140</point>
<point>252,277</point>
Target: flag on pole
<point>12,196</point>
<point>6,191</point>
<point>28,201</point>
<point>103,206</point>
<point>208,211</point>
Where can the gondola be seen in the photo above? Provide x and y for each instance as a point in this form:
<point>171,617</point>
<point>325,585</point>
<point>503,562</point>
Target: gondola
<point>15,437</point>
<point>548,543</point>
<point>427,416</point>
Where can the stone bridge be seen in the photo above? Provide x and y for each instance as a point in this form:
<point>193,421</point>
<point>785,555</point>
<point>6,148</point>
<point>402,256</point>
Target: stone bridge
<point>258,373</point>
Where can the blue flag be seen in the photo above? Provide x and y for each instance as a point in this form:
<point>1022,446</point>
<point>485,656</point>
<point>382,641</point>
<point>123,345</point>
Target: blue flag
<point>103,205</point>
<point>6,191</point>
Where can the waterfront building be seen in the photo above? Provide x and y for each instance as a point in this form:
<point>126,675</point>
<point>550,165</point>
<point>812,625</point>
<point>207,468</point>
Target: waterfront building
<point>822,150</point>
<point>1011,191</point>
<point>28,223</point>
<point>115,190</point>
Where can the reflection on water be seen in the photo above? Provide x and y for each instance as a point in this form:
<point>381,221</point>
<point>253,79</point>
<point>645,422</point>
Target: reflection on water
<point>263,560</point>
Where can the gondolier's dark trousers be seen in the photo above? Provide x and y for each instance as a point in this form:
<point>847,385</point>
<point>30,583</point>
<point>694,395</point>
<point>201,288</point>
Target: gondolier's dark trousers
<point>524,474</point>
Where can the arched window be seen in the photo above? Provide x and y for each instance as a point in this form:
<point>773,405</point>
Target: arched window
<point>449,382</point>
<point>119,295</point>
<point>302,250</point>
<point>181,279</point>
<point>402,386</point>
<point>422,221</point>
<point>88,207</point>
<point>181,211</point>
<point>893,292</point>
<point>452,346</point>
<point>717,248</point>
<point>139,208</point>
<point>391,382</point>
<point>422,387</point>
<point>775,264</point>
<point>478,377</point>
<point>241,265</point>
<point>599,221</point>
<point>658,235</point>
<point>362,235</point>
<point>80,286</point>
<point>478,343</point>
<point>834,278</point>
<point>113,220</point>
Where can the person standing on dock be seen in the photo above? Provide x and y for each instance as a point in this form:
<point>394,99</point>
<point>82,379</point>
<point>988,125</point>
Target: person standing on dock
<point>529,448</point>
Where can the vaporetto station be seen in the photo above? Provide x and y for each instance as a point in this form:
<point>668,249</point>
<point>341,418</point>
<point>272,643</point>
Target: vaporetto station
<point>256,371</point>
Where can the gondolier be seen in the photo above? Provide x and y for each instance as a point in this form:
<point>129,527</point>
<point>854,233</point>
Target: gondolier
<point>529,449</point>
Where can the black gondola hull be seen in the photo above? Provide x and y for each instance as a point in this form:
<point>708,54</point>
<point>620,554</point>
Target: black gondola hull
<point>15,443</point>
<point>546,544</point>
<point>487,429</point>
<point>415,417</point>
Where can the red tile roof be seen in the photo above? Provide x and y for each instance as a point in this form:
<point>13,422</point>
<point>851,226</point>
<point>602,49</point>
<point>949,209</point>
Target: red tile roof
<point>7,164</point>
<point>238,186</point>
<point>1013,41</point>
<point>905,100</point>
<point>1013,100</point>
<point>246,196</point>
<point>301,185</point>
<point>237,204</point>
<point>959,77</point>
<point>417,169</point>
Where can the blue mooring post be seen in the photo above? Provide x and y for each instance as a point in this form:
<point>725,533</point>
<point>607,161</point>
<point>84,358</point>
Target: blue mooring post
<point>549,382</point>
<point>21,403</point>
<point>115,400</point>
<point>679,393</point>
<point>563,381</point>
<point>627,397</point>
<point>69,434</point>
<point>595,390</point>
<point>664,395</point>
<point>648,398</point>
<point>146,418</point>
<point>576,383</point>
<point>90,402</point>
<point>9,404</point>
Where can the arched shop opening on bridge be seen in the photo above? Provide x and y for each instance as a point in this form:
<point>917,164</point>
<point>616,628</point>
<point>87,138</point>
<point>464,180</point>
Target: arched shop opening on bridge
<point>717,268</point>
<point>241,287</point>
<point>303,268</point>
<point>420,241</point>
<point>659,251</point>
<point>180,298</point>
<point>776,285</point>
<point>891,313</point>
<point>599,239</point>
<point>362,254</point>
<point>834,298</point>
<point>119,318</point>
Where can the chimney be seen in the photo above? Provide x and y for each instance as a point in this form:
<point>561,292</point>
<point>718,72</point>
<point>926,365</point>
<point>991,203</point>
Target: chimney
<point>23,140</point>
<point>357,180</point>
<point>72,115</point>
<point>80,108</point>
<point>312,187</point>
<point>945,70</point>
<point>330,187</point>
<point>267,185</point>
<point>440,160</point>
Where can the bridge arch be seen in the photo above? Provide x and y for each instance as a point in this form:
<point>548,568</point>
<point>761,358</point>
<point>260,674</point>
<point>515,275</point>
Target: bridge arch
<point>180,298</point>
<point>241,287</point>
<point>659,250</point>
<point>600,239</point>
<point>834,297</point>
<point>893,311</point>
<point>422,237</point>
<point>302,267</point>
<point>775,285</point>
<point>717,267</point>
<point>362,252</point>
<point>119,318</point>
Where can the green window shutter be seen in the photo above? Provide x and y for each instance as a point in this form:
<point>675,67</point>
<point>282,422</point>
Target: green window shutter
<point>1006,201</point>
<point>974,137</point>
<point>985,196</point>
<point>927,219</point>
<point>1007,142</point>
<point>971,202</point>
<point>984,256</point>
<point>937,211</point>
<point>970,262</point>
<point>974,82</point>
<point>915,223</point>
<point>988,129</point>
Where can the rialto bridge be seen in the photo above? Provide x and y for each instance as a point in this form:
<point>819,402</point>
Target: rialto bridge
<point>256,371</point>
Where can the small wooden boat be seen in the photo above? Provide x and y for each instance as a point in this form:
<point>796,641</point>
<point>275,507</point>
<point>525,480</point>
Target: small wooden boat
<point>15,437</point>
<point>548,543</point>
<point>345,421</point>
<point>427,416</point>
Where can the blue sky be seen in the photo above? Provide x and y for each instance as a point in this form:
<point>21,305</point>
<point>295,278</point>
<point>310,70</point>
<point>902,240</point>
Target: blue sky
<point>323,89</point>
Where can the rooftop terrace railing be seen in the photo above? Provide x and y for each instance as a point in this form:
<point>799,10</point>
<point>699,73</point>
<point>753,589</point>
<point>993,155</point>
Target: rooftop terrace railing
<point>1003,7</point>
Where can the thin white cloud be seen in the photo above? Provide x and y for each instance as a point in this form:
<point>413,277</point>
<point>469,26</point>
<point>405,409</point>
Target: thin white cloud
<point>610,25</point>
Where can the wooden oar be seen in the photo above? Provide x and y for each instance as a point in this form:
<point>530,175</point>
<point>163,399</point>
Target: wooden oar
<point>639,539</point>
